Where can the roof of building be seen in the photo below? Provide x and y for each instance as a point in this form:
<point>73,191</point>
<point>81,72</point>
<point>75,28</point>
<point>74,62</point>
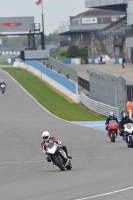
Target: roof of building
<point>100,12</point>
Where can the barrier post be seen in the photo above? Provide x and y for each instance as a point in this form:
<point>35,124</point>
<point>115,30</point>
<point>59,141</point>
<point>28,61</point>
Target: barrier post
<point>130,114</point>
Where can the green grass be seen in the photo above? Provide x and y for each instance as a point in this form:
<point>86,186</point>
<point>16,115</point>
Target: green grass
<point>5,63</point>
<point>51,99</point>
<point>58,54</point>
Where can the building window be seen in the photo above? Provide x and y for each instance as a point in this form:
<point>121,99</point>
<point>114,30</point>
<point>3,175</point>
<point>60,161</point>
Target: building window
<point>114,19</point>
<point>117,50</point>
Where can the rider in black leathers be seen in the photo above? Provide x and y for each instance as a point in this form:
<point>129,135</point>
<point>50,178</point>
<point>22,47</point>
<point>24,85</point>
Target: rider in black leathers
<point>125,120</point>
<point>2,82</point>
<point>110,117</point>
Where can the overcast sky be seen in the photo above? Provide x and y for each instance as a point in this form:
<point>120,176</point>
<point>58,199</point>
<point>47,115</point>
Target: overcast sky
<point>55,11</point>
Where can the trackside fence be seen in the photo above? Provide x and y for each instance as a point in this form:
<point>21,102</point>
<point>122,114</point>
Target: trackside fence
<point>108,89</point>
<point>98,107</point>
<point>130,92</point>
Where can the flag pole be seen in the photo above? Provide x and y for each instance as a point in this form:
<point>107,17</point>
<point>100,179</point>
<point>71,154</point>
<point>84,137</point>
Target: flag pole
<point>43,27</point>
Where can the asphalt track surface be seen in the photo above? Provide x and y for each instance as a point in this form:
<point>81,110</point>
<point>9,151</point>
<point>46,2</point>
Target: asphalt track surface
<point>101,170</point>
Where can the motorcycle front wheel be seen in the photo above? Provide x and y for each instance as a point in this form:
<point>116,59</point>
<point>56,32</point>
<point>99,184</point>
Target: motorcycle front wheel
<point>59,163</point>
<point>130,139</point>
<point>113,137</point>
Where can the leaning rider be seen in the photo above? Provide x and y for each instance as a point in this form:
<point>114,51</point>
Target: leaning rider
<point>46,137</point>
<point>110,117</point>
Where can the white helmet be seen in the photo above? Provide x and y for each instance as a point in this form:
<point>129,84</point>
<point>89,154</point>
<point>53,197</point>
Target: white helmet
<point>111,114</point>
<point>45,135</point>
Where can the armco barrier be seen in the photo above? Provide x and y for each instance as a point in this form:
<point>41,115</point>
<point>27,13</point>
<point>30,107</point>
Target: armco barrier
<point>98,107</point>
<point>112,61</point>
<point>95,61</point>
<point>58,81</point>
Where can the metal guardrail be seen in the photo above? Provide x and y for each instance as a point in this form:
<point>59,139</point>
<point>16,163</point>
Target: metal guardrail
<point>98,107</point>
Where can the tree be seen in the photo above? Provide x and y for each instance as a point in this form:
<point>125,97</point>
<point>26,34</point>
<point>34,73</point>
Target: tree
<point>72,51</point>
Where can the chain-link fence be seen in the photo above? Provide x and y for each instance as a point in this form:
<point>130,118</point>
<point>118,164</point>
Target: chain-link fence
<point>108,89</point>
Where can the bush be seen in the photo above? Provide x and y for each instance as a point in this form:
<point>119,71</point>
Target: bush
<point>73,51</point>
<point>83,51</point>
<point>63,53</point>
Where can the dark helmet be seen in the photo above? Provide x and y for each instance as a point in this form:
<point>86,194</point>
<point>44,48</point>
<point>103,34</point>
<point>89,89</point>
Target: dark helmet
<point>125,115</point>
<point>111,115</point>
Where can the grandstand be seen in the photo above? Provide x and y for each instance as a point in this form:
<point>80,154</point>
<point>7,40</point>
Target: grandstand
<point>81,28</point>
<point>112,38</point>
<point>121,33</point>
<point>114,28</point>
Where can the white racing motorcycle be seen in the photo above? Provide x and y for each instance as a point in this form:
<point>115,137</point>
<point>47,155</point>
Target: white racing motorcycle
<point>57,155</point>
<point>128,134</point>
<point>3,87</point>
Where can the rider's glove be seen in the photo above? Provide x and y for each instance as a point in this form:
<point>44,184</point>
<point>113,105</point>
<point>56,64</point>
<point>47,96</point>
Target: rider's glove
<point>44,151</point>
<point>59,142</point>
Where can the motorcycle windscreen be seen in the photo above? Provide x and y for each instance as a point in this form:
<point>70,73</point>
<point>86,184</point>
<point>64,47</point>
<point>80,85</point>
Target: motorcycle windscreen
<point>112,122</point>
<point>51,148</point>
<point>128,128</point>
<point>2,86</point>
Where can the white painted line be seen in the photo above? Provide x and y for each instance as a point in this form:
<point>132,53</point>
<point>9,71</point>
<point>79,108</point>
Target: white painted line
<point>105,194</point>
<point>88,124</point>
<point>20,162</point>
<point>37,161</point>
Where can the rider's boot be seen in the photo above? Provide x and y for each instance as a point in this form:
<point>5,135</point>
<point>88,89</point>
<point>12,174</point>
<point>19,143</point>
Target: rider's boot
<point>48,159</point>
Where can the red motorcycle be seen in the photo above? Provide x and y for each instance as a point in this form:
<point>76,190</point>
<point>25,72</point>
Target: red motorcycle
<point>112,130</point>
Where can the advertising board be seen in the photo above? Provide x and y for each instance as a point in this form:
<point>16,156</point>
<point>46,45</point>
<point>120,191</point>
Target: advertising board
<point>16,24</point>
<point>34,54</point>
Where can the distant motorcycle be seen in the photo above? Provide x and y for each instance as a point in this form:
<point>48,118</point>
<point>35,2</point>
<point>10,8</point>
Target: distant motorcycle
<point>128,134</point>
<point>58,155</point>
<point>3,87</point>
<point>112,130</point>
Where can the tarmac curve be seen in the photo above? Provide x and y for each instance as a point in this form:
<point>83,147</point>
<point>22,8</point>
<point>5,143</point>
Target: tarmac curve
<point>101,169</point>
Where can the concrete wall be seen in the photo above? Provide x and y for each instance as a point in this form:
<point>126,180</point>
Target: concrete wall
<point>58,81</point>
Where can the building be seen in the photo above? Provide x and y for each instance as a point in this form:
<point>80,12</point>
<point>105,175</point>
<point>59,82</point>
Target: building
<point>121,5</point>
<point>81,29</point>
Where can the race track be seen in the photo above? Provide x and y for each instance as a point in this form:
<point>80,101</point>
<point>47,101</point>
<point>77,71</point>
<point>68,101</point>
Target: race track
<point>101,170</point>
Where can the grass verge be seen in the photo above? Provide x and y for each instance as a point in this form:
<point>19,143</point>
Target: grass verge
<point>5,63</point>
<point>51,99</point>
